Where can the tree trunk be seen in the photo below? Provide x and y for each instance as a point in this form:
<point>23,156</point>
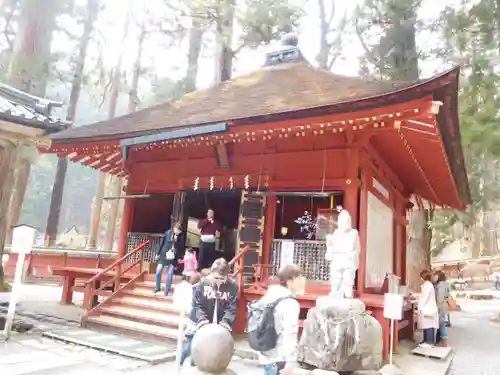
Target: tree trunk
<point>115,91</point>
<point>95,224</point>
<point>403,63</point>
<point>62,163</point>
<point>19,187</point>
<point>195,40</point>
<point>418,256</point>
<point>29,71</point>
<point>117,183</point>
<point>475,241</point>
<point>116,191</point>
<point>225,33</point>
<point>322,57</point>
<point>29,67</point>
<point>7,163</point>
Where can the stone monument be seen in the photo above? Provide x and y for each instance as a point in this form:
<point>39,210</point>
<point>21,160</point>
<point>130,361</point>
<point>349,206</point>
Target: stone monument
<point>342,251</point>
<point>339,335</point>
<point>211,351</point>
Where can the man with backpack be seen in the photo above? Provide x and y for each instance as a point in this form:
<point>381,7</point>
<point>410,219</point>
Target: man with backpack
<point>273,323</point>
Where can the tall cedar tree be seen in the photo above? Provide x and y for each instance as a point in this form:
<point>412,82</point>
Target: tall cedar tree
<point>90,15</point>
<point>394,56</point>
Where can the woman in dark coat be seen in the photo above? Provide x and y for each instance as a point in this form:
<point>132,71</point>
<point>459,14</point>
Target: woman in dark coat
<point>170,248</point>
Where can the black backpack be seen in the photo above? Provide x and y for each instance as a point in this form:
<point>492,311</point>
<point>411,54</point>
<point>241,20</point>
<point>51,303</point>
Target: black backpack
<point>261,332</point>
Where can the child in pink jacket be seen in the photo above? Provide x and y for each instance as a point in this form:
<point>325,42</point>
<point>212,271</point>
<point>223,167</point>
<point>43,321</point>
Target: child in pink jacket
<point>190,264</point>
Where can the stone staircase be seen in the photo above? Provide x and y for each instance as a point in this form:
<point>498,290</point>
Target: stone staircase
<point>135,311</point>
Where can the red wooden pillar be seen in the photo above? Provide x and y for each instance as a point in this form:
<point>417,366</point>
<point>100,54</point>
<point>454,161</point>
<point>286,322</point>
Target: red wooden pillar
<point>403,250</point>
<point>128,212</point>
<point>351,192</point>
<point>269,225</point>
<point>363,227</point>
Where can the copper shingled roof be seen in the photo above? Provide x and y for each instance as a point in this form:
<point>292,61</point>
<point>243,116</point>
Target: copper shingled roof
<point>275,89</point>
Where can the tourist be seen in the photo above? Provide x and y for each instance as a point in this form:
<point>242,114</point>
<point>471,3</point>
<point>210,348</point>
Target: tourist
<point>215,298</point>
<point>208,228</point>
<point>442,289</point>
<point>428,314</point>
<point>283,357</point>
<point>190,264</point>
<point>171,245</point>
<point>496,279</point>
<point>194,280</point>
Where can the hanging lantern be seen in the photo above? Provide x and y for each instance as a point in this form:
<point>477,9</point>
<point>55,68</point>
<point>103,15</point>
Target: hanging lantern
<point>196,183</point>
<point>231,183</point>
<point>212,183</point>
<point>246,182</point>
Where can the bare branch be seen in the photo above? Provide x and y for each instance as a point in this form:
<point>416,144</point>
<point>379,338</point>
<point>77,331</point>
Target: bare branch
<point>369,53</point>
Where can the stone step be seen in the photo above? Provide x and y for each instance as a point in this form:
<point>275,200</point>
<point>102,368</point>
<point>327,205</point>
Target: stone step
<point>146,293</point>
<point>151,277</point>
<point>158,304</point>
<point>142,316</point>
<point>136,329</point>
<point>151,285</point>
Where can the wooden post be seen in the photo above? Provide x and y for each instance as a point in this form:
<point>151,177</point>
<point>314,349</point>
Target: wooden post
<point>270,223</point>
<point>117,183</point>
<point>67,294</point>
<point>363,227</point>
<point>7,162</point>
<point>128,212</point>
<point>96,212</point>
<point>109,236</point>
<point>118,276</point>
<point>403,251</point>
<point>87,296</point>
<point>352,190</point>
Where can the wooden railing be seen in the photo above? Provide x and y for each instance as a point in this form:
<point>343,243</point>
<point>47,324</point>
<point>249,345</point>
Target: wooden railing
<point>237,264</point>
<point>308,255</point>
<point>105,278</point>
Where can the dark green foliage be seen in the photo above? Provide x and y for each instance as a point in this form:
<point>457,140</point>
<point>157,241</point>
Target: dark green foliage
<point>264,21</point>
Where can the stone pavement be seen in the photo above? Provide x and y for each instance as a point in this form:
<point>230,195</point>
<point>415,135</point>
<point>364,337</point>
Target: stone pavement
<point>473,336</point>
<point>475,339</point>
<point>36,355</point>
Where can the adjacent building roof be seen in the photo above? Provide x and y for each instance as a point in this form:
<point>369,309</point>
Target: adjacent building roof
<point>24,109</point>
<point>267,92</point>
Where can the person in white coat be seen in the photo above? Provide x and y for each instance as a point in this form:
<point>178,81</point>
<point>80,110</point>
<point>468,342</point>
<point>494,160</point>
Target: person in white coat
<point>282,359</point>
<point>428,313</point>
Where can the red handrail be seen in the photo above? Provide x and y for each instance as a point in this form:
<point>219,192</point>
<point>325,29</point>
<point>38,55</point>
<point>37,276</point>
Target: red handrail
<point>119,261</point>
<point>239,258</point>
<point>90,285</point>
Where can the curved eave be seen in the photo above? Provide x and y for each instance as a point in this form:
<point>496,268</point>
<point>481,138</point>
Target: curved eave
<point>419,89</point>
<point>449,127</point>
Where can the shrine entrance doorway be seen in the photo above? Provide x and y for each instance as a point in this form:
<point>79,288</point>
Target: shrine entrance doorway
<point>226,205</point>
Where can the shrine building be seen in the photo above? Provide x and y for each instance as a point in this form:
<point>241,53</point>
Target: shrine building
<point>276,153</point>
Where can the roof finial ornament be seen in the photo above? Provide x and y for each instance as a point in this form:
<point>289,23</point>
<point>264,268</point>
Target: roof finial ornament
<point>289,51</point>
<point>290,40</point>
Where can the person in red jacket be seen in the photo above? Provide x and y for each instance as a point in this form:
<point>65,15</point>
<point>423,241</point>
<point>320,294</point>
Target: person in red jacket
<point>208,228</point>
